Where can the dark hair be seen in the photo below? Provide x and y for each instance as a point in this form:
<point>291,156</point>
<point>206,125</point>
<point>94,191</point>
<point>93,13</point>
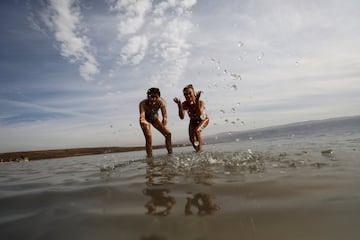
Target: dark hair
<point>153,91</point>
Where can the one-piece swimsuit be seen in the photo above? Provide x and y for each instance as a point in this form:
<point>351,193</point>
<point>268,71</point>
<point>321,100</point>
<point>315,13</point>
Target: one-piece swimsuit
<point>152,114</point>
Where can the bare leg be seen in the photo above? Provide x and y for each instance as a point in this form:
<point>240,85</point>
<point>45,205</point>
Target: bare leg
<point>197,133</point>
<point>148,138</point>
<point>192,137</point>
<point>166,132</point>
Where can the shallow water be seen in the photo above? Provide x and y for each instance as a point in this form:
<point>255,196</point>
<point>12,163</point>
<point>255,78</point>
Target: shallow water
<point>279,188</point>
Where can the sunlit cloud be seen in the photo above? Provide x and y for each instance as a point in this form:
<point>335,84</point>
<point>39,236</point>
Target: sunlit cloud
<point>131,15</point>
<point>157,30</point>
<point>134,50</point>
<point>64,19</point>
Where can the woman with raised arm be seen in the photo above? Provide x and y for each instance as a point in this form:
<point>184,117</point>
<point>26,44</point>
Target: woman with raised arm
<point>198,119</point>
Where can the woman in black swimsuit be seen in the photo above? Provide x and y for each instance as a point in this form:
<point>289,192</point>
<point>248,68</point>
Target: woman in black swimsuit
<point>149,115</point>
<point>198,119</point>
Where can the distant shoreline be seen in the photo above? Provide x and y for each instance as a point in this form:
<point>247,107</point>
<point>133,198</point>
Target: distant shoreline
<point>72,152</point>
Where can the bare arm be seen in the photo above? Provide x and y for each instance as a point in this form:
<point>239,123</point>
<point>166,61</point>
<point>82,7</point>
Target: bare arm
<point>163,112</point>
<point>142,112</point>
<point>181,108</point>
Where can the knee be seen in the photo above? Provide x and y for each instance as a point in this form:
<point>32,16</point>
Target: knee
<point>167,134</point>
<point>198,130</point>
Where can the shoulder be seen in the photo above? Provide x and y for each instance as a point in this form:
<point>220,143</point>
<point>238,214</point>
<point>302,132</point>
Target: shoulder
<point>161,102</point>
<point>143,102</point>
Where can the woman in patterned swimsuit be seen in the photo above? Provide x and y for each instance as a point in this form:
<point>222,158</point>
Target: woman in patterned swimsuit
<point>149,109</point>
<point>198,119</point>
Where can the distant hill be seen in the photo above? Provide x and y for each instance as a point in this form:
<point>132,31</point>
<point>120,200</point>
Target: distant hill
<point>307,128</point>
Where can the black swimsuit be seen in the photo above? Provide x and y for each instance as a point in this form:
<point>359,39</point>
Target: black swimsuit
<point>152,114</point>
<point>195,121</point>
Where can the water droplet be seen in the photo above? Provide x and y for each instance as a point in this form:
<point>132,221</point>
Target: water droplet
<point>260,57</point>
<point>240,44</point>
<point>233,110</point>
<point>203,116</point>
<point>226,120</point>
<point>235,76</point>
<point>233,87</point>
<point>222,111</point>
<point>196,143</point>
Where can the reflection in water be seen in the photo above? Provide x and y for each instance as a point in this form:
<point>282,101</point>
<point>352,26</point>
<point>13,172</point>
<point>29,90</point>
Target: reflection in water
<point>161,173</point>
<point>158,173</point>
<point>159,198</point>
<point>204,204</point>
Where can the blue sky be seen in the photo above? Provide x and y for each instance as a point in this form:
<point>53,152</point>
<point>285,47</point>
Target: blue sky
<point>73,72</point>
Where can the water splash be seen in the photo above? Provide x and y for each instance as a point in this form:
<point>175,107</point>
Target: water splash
<point>260,57</point>
<point>217,62</point>
<point>203,116</point>
<point>233,87</point>
<point>235,76</point>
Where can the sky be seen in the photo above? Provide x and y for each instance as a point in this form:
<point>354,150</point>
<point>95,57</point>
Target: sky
<point>73,72</point>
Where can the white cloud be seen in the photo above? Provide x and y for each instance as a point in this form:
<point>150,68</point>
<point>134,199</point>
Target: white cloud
<point>130,14</point>
<point>134,50</point>
<point>157,30</point>
<point>65,20</point>
<point>172,42</point>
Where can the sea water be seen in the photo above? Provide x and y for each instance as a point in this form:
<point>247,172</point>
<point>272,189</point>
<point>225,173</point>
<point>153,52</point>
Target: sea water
<point>297,186</point>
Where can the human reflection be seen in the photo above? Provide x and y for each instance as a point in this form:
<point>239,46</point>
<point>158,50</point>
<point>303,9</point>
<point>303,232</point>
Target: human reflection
<point>159,198</point>
<point>204,203</point>
<point>158,173</point>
